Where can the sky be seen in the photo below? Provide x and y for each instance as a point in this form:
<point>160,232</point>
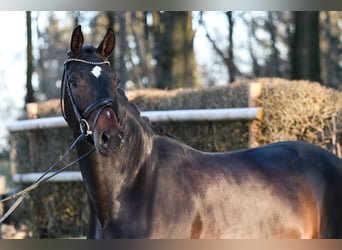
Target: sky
<point>12,69</point>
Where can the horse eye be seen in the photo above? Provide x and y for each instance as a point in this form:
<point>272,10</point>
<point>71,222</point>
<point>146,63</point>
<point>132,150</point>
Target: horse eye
<point>74,83</point>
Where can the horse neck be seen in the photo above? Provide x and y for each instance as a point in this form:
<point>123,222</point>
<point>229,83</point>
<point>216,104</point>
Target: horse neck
<point>106,178</point>
<point>138,141</point>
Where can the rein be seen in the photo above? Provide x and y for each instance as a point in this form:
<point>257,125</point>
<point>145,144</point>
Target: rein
<point>19,196</point>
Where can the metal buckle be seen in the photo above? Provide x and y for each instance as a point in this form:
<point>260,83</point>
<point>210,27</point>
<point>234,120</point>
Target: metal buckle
<point>84,127</point>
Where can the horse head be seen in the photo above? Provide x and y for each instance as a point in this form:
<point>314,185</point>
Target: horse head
<point>89,93</point>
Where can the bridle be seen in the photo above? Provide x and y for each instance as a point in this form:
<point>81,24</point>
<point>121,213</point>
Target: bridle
<point>99,104</point>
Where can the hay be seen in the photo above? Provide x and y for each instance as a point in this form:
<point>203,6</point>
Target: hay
<point>301,110</point>
<point>236,95</point>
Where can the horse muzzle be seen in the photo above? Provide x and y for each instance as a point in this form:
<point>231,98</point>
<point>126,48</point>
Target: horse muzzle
<point>109,141</point>
<point>107,132</point>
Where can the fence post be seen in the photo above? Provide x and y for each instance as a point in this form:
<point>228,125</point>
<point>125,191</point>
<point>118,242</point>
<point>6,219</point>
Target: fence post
<point>254,94</point>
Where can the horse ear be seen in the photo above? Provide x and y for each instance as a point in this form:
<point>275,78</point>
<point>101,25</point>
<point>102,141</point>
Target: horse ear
<point>107,45</point>
<point>76,41</point>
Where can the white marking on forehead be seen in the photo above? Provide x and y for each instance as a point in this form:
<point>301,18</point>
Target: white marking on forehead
<point>96,71</point>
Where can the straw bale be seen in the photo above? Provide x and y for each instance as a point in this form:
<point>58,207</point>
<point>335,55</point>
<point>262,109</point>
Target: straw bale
<point>301,110</point>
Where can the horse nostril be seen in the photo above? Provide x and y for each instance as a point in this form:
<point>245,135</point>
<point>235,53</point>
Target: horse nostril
<point>105,137</point>
<point>110,140</point>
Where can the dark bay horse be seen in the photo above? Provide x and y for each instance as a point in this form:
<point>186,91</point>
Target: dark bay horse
<point>142,183</point>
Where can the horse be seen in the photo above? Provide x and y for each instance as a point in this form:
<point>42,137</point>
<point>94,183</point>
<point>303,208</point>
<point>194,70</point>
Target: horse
<point>143,183</point>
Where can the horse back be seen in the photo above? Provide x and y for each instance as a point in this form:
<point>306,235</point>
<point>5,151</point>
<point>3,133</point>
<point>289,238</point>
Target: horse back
<point>282,190</point>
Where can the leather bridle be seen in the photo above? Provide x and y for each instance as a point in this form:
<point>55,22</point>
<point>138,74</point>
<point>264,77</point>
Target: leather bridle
<point>99,104</point>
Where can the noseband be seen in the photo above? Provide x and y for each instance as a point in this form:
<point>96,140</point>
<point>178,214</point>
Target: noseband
<point>99,104</point>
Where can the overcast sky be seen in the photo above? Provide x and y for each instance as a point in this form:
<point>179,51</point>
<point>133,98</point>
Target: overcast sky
<point>12,68</point>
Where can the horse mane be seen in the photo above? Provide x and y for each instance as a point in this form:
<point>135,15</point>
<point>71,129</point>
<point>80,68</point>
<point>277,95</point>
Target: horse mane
<point>144,119</point>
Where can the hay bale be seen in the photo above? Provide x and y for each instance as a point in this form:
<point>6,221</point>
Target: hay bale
<point>207,136</point>
<point>301,110</point>
<point>236,95</point>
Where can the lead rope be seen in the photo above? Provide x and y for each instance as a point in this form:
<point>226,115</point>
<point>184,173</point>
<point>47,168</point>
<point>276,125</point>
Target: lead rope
<point>23,193</point>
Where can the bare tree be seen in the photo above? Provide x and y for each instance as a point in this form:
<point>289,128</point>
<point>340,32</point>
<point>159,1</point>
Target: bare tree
<point>230,59</point>
<point>331,49</point>
<point>274,58</point>
<point>267,32</point>
<point>306,52</point>
<point>140,53</point>
<point>227,55</point>
<point>30,68</point>
<point>176,65</point>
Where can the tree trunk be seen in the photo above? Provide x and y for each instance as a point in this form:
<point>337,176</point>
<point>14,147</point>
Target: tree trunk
<point>29,69</point>
<point>122,47</point>
<point>274,59</point>
<point>227,57</point>
<point>331,49</point>
<point>176,64</point>
<point>306,52</point>
<point>230,58</point>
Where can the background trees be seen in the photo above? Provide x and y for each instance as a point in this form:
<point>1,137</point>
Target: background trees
<point>174,53</point>
<point>156,49</point>
<point>29,65</point>
<point>331,48</point>
<point>306,52</point>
